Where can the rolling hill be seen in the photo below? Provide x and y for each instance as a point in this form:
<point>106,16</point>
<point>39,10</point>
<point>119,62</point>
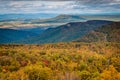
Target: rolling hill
<point>110,33</point>
<point>10,35</point>
<point>65,33</point>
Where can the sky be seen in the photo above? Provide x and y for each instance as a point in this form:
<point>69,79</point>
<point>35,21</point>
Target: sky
<point>60,6</point>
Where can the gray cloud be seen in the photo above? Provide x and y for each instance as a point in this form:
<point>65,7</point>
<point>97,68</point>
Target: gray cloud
<point>102,5</point>
<point>60,6</point>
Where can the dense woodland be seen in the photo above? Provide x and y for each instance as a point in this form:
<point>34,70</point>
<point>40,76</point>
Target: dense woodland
<point>60,61</point>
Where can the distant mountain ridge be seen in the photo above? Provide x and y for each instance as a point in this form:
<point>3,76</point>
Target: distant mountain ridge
<point>25,16</point>
<point>61,19</point>
<point>64,16</point>
<point>89,31</point>
<point>65,33</point>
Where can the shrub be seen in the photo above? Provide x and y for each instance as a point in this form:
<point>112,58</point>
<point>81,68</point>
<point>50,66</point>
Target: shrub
<point>38,73</point>
<point>84,75</point>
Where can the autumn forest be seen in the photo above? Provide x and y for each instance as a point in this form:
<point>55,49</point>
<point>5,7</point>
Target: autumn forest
<point>60,61</point>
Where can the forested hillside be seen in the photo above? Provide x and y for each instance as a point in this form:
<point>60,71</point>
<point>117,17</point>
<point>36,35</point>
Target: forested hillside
<point>10,35</point>
<point>65,33</point>
<point>109,32</point>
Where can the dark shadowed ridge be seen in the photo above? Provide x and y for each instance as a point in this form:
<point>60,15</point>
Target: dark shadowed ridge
<point>109,33</point>
<point>65,33</point>
<point>10,35</point>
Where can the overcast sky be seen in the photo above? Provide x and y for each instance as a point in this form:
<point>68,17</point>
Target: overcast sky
<point>60,7</point>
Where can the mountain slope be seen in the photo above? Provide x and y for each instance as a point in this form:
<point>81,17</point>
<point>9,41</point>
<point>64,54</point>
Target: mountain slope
<point>109,33</point>
<point>66,32</point>
<point>10,35</point>
<point>36,30</point>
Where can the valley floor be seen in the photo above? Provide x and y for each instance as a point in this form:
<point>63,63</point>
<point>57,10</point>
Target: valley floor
<point>60,61</point>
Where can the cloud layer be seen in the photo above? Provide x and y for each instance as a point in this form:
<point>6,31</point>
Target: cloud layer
<point>60,7</point>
